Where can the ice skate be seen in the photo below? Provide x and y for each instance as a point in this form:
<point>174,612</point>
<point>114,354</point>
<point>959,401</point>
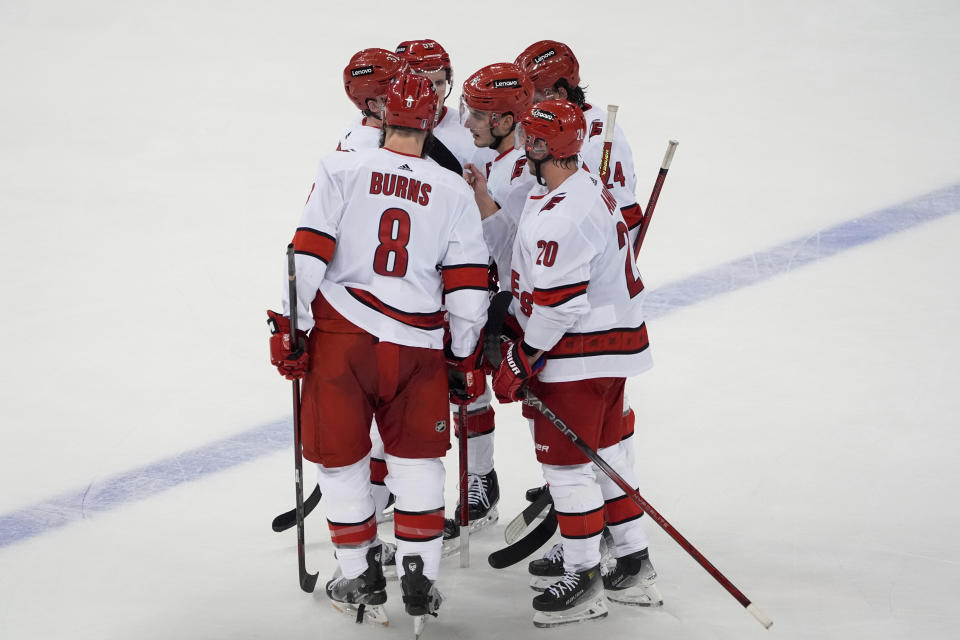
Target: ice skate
<point>388,560</point>
<point>575,597</point>
<point>546,570</point>
<point>361,597</point>
<point>631,581</point>
<point>483,494</point>
<point>387,514</point>
<point>420,595</point>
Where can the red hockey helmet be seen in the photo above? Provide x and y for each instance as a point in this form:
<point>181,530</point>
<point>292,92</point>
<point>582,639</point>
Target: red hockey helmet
<point>554,128</point>
<point>499,88</point>
<point>547,61</point>
<point>369,73</point>
<point>411,102</point>
<point>424,55</point>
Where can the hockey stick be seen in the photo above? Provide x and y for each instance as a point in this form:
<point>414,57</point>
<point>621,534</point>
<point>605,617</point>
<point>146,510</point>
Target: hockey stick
<point>530,399</point>
<point>655,194</point>
<point>525,546</point>
<point>307,580</point>
<point>464,496</point>
<point>289,518</point>
<point>607,143</point>
<point>516,527</point>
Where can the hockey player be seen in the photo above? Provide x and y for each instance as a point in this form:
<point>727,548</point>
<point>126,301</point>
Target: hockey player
<point>555,74</point>
<point>492,99</point>
<point>428,58</point>
<point>366,79</point>
<point>376,346</point>
<point>579,300</point>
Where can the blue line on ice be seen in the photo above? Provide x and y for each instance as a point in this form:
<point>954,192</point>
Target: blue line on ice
<point>138,484</point>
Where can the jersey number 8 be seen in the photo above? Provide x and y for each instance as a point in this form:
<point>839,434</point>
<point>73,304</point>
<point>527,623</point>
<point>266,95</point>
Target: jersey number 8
<point>394,234</point>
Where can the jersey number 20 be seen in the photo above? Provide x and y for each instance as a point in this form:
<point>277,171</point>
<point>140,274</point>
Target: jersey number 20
<point>394,234</point>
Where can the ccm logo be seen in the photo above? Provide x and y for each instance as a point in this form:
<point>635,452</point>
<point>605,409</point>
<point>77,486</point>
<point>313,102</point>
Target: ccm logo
<point>542,447</point>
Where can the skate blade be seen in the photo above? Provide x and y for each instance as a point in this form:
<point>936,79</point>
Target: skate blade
<point>540,583</point>
<point>419,622</point>
<point>452,545</point>
<point>486,521</point>
<point>638,596</point>
<point>592,610</point>
<point>373,614</point>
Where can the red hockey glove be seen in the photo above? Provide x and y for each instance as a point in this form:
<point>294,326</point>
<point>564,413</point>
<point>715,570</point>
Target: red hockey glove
<point>514,372</point>
<point>465,375</point>
<point>291,363</point>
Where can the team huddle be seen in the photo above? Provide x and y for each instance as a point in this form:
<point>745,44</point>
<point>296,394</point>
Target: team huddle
<point>400,247</point>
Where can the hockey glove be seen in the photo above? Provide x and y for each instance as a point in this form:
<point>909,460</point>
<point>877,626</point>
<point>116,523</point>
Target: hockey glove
<point>291,363</point>
<point>465,375</point>
<point>514,372</point>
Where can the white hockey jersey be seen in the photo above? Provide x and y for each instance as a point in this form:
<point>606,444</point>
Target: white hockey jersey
<point>360,134</point>
<point>576,290</point>
<point>386,237</point>
<point>509,182</point>
<point>622,181</point>
<point>454,136</point>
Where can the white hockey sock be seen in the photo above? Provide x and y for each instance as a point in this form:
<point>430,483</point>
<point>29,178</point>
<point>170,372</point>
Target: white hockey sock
<point>348,504</point>
<point>579,504</point>
<point>629,536</point>
<point>417,484</point>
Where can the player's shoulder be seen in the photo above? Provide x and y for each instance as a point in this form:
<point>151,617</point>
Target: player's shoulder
<point>337,161</point>
<point>426,170</point>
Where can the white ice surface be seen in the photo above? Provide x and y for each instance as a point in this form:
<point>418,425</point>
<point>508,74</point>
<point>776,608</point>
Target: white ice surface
<point>800,432</point>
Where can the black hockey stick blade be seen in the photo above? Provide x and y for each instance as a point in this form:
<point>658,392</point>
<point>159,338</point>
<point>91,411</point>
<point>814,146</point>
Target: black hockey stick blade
<point>308,581</point>
<point>525,546</point>
<point>514,530</point>
<point>288,519</point>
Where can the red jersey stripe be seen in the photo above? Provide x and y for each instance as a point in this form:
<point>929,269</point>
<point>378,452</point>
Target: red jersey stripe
<point>632,215</point>
<point>314,243</point>
<point>558,295</point>
<point>601,343</point>
<point>464,276</point>
<point>427,321</point>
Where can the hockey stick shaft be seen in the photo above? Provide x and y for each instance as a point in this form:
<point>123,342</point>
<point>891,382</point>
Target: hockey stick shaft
<point>464,495</point>
<point>531,399</point>
<point>308,581</point>
<point>604,169</point>
<point>655,194</point>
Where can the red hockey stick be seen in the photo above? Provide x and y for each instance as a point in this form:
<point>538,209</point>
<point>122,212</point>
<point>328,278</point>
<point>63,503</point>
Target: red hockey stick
<point>607,142</point>
<point>655,195</point>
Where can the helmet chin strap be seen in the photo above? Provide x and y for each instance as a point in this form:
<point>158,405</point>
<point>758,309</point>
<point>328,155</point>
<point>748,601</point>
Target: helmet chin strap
<point>498,139</point>
<point>536,166</point>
